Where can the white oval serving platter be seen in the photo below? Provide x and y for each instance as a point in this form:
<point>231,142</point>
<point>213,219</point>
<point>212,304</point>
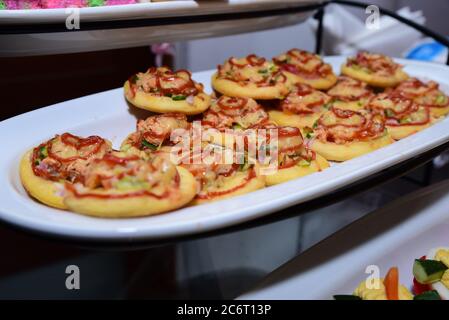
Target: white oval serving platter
<point>107,114</point>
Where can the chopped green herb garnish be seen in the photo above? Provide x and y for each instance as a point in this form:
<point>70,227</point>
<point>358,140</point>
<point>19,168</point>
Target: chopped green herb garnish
<point>236,126</point>
<point>308,132</point>
<point>148,145</point>
<point>389,113</point>
<point>304,163</point>
<point>327,106</point>
<point>178,97</point>
<point>406,120</point>
<point>244,166</point>
<point>441,99</point>
<point>262,71</point>
<point>132,183</point>
<point>359,103</point>
<point>43,153</point>
<point>315,124</point>
<point>168,95</point>
<point>273,68</point>
<point>134,79</point>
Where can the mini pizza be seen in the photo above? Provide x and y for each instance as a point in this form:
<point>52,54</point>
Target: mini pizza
<point>375,69</point>
<point>304,67</point>
<point>293,159</point>
<point>162,90</point>
<point>341,135</point>
<point>218,179</point>
<point>120,185</point>
<point>350,94</point>
<point>403,116</point>
<point>153,132</point>
<point>229,117</point>
<point>301,108</point>
<point>236,113</point>
<point>62,159</point>
<point>251,77</point>
<point>425,94</point>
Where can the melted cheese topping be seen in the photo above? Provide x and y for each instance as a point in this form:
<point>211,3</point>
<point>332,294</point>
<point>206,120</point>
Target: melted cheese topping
<point>341,126</point>
<point>251,69</point>
<point>303,63</point>
<point>165,82</point>
<point>66,157</point>
<point>229,112</point>
<point>426,94</point>
<point>156,130</point>
<point>348,89</point>
<point>215,170</point>
<point>118,173</point>
<point>373,63</point>
<point>399,111</point>
<point>303,99</point>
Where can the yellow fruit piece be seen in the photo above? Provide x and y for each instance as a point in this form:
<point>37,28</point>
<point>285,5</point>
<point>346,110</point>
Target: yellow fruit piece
<point>380,292</point>
<point>443,256</point>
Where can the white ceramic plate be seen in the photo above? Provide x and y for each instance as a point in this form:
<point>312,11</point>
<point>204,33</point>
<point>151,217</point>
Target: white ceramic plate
<point>392,236</point>
<point>83,40</point>
<point>107,114</point>
<point>143,10</point>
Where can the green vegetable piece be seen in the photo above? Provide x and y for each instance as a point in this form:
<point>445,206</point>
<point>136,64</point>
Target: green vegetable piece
<point>441,99</point>
<point>262,71</point>
<point>273,68</point>
<point>406,120</point>
<point>148,145</point>
<point>178,97</point>
<point>428,295</point>
<point>428,271</point>
<point>346,297</point>
<point>304,163</point>
<point>43,152</point>
<point>389,113</point>
<point>315,124</point>
<point>133,183</point>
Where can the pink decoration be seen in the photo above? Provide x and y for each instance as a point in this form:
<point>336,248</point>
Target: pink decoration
<point>118,2</point>
<point>23,4</point>
<point>44,4</point>
<point>161,49</point>
<point>49,4</point>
